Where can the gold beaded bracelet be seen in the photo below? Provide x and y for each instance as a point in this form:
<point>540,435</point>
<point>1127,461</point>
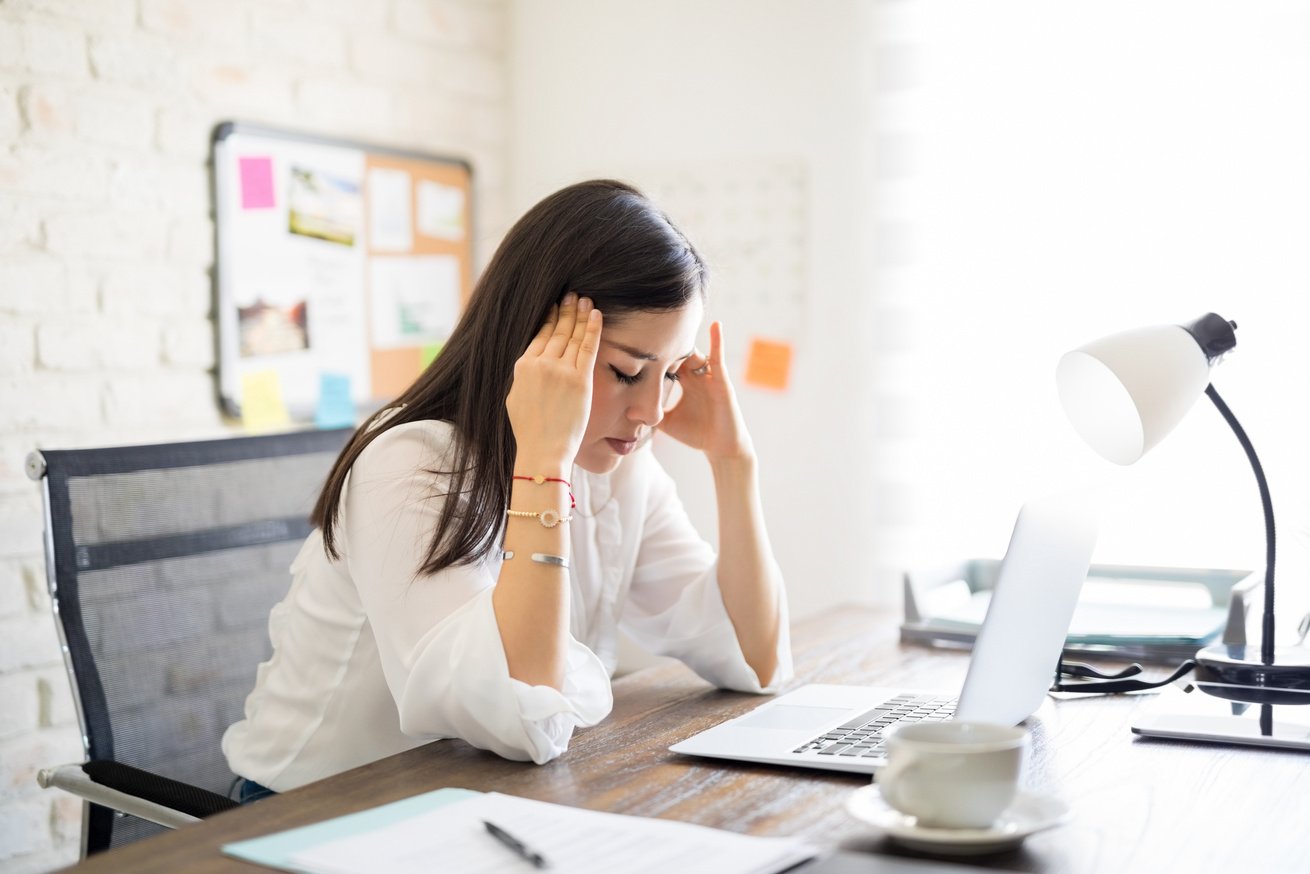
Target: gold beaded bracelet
<point>547,518</point>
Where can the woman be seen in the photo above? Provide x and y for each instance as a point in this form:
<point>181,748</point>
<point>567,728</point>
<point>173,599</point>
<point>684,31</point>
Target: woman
<point>481,541</point>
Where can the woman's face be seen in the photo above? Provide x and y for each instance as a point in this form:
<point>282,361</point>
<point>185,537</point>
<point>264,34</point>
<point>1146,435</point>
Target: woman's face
<point>636,368</point>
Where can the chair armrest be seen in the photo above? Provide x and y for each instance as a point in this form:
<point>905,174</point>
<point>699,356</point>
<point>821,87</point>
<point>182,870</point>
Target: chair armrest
<point>149,796</point>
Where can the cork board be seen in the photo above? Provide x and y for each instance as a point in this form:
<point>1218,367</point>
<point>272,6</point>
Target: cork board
<point>341,267</point>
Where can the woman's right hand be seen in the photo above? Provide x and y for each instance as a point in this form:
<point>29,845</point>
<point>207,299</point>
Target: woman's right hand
<point>549,401</point>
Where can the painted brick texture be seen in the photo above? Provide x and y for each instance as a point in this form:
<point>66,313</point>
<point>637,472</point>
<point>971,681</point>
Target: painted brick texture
<point>106,252</point>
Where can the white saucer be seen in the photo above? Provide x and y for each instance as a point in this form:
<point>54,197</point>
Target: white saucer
<point>1027,814</point>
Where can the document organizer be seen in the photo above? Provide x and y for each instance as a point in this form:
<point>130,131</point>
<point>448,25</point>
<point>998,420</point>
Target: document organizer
<point>1150,613</point>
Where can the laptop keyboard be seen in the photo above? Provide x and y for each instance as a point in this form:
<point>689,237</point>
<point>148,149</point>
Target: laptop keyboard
<point>863,736</point>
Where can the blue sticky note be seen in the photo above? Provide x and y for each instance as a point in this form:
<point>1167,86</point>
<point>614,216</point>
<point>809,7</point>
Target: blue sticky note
<point>335,408</point>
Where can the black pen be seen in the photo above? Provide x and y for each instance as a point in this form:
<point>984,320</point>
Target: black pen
<point>516,845</point>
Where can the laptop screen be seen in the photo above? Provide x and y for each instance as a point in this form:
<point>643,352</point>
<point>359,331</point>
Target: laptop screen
<point>1019,644</point>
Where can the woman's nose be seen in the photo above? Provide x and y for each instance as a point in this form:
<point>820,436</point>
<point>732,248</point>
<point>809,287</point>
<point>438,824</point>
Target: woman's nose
<point>648,408</point>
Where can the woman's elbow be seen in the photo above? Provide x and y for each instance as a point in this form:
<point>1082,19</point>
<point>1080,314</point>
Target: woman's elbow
<point>765,668</point>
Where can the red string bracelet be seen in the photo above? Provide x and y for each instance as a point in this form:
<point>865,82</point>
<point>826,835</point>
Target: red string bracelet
<point>541,480</point>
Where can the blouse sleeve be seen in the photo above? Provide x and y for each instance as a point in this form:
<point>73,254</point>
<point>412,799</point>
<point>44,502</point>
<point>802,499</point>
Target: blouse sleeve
<point>675,607</point>
<point>437,636</point>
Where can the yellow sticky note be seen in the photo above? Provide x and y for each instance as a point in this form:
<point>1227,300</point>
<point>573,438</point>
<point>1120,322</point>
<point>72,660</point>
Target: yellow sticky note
<point>768,363</point>
<point>262,406</point>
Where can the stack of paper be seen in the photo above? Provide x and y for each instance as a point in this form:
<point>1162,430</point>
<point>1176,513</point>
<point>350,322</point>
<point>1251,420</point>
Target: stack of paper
<point>1118,611</point>
<point>445,830</point>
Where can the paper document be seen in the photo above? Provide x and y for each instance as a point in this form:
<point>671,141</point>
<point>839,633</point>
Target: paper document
<point>454,838</point>
<point>1107,612</point>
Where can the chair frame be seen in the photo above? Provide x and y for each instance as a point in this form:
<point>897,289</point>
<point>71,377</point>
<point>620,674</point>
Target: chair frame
<point>52,469</point>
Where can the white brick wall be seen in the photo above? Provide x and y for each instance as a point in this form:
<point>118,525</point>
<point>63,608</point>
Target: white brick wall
<point>106,109</point>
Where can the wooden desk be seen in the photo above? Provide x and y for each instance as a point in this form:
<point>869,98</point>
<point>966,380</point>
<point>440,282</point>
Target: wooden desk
<point>1139,805</point>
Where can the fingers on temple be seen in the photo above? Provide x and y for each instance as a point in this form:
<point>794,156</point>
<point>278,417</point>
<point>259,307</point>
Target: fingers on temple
<point>715,358</point>
<point>590,340</point>
<point>564,325</point>
<point>579,328</point>
<point>538,344</point>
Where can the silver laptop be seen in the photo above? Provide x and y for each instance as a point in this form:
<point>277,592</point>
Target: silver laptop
<point>841,728</point>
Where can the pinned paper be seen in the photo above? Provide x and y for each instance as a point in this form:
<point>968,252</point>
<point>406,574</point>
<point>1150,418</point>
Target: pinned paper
<point>768,363</point>
<point>256,183</point>
<point>262,407</point>
<point>335,409</point>
<point>430,353</point>
<point>414,301</point>
<point>390,211</point>
<point>440,210</point>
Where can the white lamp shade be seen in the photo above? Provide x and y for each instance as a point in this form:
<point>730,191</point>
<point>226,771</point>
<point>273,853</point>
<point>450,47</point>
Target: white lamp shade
<point>1125,392</point>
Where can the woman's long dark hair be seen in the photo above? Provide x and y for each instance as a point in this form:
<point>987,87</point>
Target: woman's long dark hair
<point>602,239</point>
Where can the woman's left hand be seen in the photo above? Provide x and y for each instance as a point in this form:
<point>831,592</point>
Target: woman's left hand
<point>706,416</point>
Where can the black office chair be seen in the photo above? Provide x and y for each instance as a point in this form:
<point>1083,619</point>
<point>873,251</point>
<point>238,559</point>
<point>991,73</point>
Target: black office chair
<point>163,563</point>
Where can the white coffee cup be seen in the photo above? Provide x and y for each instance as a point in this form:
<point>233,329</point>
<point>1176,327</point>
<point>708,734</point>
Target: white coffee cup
<point>953,774</point>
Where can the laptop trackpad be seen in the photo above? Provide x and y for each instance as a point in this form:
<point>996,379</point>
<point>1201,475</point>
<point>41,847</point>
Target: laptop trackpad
<point>792,717</point>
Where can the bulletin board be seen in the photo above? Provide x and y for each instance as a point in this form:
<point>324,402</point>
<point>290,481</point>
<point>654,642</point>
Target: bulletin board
<point>341,269</point>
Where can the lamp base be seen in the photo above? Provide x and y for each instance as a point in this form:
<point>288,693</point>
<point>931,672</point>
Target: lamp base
<point>1236,672</point>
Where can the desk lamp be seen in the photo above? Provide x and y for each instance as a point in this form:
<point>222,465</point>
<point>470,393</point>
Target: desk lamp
<point>1124,393</point>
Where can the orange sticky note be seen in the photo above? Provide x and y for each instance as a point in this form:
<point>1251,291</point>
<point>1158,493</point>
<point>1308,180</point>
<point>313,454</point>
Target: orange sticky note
<point>768,363</point>
<point>262,406</point>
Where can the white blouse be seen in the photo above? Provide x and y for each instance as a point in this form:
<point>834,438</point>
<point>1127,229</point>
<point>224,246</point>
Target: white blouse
<point>371,658</point>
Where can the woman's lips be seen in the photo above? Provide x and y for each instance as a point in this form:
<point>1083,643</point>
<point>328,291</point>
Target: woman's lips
<point>621,447</point>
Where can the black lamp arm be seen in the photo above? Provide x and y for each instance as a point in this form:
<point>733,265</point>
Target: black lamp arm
<point>1267,621</point>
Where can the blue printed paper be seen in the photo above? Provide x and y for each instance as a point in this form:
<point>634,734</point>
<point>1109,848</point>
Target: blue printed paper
<point>276,850</point>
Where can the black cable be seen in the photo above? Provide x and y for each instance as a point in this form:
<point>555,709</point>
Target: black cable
<point>1122,685</point>
<point>1079,669</point>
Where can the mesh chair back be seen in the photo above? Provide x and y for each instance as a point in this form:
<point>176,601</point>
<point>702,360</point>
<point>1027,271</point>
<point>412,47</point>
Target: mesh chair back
<point>164,562</point>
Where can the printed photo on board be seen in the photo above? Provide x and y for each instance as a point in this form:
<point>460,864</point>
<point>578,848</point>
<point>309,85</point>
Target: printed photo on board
<point>323,206</point>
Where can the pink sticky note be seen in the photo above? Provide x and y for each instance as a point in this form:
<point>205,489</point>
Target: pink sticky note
<point>256,183</point>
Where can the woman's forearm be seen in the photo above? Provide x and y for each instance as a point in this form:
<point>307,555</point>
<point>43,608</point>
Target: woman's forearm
<point>531,599</point>
<point>748,575</point>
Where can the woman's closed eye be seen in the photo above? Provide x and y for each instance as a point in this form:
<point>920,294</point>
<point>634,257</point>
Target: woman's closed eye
<point>634,378</point>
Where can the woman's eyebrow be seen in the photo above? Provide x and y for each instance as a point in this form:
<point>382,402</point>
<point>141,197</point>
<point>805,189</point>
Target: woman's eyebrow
<point>643,356</point>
